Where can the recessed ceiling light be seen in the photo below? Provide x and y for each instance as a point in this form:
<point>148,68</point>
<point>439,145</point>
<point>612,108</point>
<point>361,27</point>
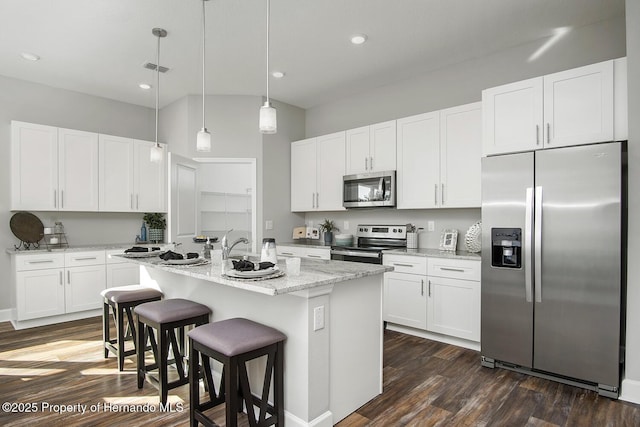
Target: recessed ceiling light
<point>145,86</point>
<point>30,56</point>
<point>278,74</point>
<point>358,38</point>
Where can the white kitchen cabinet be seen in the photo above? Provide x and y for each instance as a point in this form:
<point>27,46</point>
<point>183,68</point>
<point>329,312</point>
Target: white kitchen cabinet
<point>453,298</point>
<point>317,168</point>
<point>460,154</point>
<point>567,108</point>
<point>302,251</point>
<point>34,167</point>
<point>129,181</point>
<point>405,293</point>
<point>120,272</point>
<point>371,148</point>
<point>418,174</point>
<point>39,282</point>
<point>78,170</point>
<point>85,278</point>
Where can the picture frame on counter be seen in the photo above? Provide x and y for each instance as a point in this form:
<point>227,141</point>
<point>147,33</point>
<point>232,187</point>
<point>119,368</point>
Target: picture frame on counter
<point>448,240</point>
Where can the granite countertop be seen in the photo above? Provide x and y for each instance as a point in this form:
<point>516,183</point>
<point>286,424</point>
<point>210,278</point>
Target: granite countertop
<point>82,248</point>
<point>313,273</point>
<point>435,253</point>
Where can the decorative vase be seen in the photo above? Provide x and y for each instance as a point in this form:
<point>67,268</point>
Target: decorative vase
<point>156,235</point>
<point>328,237</point>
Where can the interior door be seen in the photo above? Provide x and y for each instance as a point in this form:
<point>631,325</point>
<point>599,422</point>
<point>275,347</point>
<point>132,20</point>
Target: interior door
<point>183,219</point>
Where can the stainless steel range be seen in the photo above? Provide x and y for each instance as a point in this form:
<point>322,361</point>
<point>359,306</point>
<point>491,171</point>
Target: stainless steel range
<point>371,240</point>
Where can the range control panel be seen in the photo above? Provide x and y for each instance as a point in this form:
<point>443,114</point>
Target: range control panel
<point>382,231</point>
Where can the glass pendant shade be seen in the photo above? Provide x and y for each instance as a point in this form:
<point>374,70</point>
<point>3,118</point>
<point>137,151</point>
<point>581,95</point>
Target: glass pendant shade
<point>268,120</point>
<point>203,142</point>
<point>155,154</point>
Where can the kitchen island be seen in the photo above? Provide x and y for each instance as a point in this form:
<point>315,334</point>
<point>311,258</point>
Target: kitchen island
<point>331,313</point>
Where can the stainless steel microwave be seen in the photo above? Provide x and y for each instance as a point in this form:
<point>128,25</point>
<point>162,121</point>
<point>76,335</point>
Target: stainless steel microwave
<point>367,190</point>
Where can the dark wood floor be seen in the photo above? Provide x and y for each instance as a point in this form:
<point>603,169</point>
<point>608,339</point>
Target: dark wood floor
<point>425,383</point>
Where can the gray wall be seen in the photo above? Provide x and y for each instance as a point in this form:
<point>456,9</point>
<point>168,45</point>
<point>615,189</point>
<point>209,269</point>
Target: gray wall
<point>29,102</point>
<point>632,375</point>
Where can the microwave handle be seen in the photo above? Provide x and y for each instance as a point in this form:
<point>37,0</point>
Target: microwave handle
<point>381,188</point>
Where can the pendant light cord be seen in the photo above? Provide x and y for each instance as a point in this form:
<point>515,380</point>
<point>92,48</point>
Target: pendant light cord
<point>157,84</point>
<point>268,8</point>
<point>203,60</point>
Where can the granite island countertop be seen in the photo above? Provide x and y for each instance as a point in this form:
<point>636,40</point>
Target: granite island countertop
<point>313,273</point>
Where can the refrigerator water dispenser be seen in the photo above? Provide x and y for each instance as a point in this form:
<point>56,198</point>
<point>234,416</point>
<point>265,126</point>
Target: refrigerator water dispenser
<point>506,247</point>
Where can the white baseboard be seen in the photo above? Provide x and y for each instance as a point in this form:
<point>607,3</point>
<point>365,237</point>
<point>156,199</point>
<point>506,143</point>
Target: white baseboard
<point>324,420</point>
<point>630,391</point>
<point>43,321</point>
<point>471,345</point>
<point>6,315</point>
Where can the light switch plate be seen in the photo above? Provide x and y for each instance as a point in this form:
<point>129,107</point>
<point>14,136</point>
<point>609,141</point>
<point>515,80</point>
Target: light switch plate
<point>318,318</point>
<point>345,225</point>
<point>431,226</point>
<point>268,225</point>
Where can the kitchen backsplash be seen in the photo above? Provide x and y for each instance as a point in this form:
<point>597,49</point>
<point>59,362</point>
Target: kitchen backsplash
<point>460,219</point>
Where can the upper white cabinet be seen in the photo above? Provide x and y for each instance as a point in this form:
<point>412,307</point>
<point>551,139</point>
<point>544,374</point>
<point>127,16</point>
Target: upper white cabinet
<point>53,169</point>
<point>439,158</point>
<point>78,170</point>
<point>149,178</point>
<point>567,108</point>
<point>317,168</point>
<point>34,167</point>
<point>371,148</point>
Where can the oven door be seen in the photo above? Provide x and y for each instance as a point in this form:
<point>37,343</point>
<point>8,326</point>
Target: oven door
<point>356,255</point>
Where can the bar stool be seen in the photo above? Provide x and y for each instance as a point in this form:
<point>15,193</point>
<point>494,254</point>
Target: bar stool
<point>165,317</point>
<point>122,299</point>
<point>233,342</point>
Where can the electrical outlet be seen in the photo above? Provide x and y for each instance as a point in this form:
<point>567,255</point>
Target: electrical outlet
<point>431,226</point>
<point>268,225</point>
<point>318,318</point>
<point>345,225</point>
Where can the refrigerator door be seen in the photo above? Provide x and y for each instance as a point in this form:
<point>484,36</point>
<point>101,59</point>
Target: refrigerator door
<point>577,309</point>
<point>507,307</point>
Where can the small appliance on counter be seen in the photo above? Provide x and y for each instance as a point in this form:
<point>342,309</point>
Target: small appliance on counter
<point>306,233</point>
<point>268,253</point>
<point>313,233</point>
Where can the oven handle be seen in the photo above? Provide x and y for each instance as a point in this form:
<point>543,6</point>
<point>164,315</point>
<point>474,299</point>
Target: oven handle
<point>355,253</point>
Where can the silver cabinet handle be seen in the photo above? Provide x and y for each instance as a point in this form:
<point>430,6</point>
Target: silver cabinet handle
<point>429,289</point>
<point>317,200</point>
<point>286,253</point>
<point>55,198</point>
<point>459,270</point>
<point>537,134</point>
<point>137,201</point>
<point>60,277</point>
<point>313,200</point>
<point>528,229</point>
<point>62,198</point>
<point>537,220</point>
<point>422,287</point>
<point>366,163</point>
<point>68,277</point>
<point>371,163</point>
<point>40,261</point>
<point>435,194</point>
<point>442,195</point>
<point>86,258</point>
<point>402,265</point>
<point>313,256</point>
<point>548,133</point>
<point>131,200</point>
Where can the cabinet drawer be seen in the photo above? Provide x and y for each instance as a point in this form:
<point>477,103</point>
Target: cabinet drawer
<point>454,268</point>
<point>406,264</point>
<point>39,261</point>
<point>314,253</point>
<point>76,259</point>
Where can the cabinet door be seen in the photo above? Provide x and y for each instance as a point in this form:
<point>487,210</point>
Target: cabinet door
<point>39,293</point>
<point>303,175</point>
<point>149,179</point>
<point>382,146</point>
<point>83,286</point>
<point>405,299</point>
<point>78,170</point>
<point>454,307</point>
<point>578,105</point>
<point>512,117</point>
<point>418,175</point>
<point>357,151</point>
<point>116,174</point>
<point>34,167</point>
<point>331,165</point>
<point>123,274</point>
<point>460,153</point>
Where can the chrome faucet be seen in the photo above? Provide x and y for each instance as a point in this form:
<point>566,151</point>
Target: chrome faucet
<point>226,249</point>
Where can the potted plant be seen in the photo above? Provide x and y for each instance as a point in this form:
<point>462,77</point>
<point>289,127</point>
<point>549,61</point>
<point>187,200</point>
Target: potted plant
<point>157,224</point>
<point>328,227</point>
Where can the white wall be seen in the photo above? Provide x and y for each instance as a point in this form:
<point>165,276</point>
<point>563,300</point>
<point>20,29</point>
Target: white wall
<point>631,384</point>
<point>35,103</point>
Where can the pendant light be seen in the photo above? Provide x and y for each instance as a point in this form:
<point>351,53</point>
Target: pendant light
<point>268,121</point>
<point>203,142</point>
<point>156,153</point>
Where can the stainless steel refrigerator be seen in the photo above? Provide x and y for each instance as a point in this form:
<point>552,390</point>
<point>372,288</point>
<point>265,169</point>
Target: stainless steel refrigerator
<point>553,253</point>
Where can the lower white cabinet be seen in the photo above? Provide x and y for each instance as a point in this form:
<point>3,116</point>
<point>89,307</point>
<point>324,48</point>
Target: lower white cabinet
<point>453,298</point>
<point>82,288</point>
<point>39,293</point>
<point>120,272</point>
<point>405,298</point>
<point>304,252</point>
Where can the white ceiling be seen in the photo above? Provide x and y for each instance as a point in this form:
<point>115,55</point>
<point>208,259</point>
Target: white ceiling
<point>98,46</point>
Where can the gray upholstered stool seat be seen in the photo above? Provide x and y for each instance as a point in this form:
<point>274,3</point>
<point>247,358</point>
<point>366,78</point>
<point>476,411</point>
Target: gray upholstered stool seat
<point>165,317</point>
<point>122,299</point>
<point>233,342</point>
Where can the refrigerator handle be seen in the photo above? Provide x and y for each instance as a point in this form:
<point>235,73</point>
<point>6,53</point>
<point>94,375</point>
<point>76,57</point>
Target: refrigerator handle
<point>528,247</point>
<point>537,274</point>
